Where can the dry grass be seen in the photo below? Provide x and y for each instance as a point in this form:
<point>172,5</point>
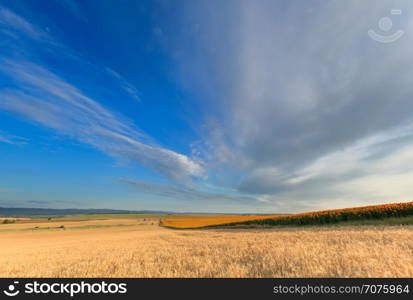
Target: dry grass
<point>151,251</point>
<point>36,225</point>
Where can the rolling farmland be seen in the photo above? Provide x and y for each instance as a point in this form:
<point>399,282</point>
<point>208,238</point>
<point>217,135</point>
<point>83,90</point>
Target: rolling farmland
<point>134,245</point>
<point>147,250</point>
<point>366,213</point>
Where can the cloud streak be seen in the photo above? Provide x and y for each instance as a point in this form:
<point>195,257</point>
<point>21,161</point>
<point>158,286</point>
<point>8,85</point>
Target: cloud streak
<point>125,85</point>
<point>47,99</point>
<point>12,139</point>
<point>38,202</point>
<point>12,24</point>
<point>6,140</point>
<point>185,193</point>
<point>41,96</point>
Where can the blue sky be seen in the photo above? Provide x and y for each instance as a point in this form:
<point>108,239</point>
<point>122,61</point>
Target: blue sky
<point>223,106</point>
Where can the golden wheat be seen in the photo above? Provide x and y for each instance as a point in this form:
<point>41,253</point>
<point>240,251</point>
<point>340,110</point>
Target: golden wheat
<point>152,251</point>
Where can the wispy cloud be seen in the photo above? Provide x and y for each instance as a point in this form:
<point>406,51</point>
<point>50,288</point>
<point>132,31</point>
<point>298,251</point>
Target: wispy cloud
<point>49,100</point>
<point>46,98</point>
<point>38,202</point>
<point>125,85</point>
<point>3,139</point>
<point>15,26</point>
<point>12,139</point>
<point>185,193</point>
<point>12,24</point>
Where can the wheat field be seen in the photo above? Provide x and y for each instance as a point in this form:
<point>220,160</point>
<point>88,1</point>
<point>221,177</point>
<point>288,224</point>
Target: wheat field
<point>143,249</point>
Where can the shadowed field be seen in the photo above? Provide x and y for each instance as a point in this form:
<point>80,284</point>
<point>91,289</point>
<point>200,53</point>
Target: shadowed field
<point>145,250</point>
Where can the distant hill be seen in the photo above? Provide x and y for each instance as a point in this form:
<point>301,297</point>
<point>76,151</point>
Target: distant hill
<point>23,212</point>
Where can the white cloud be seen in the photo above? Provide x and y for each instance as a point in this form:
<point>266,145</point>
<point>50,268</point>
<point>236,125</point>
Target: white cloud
<point>10,21</point>
<point>186,193</point>
<point>125,85</point>
<point>12,24</point>
<point>306,102</point>
<point>12,139</point>
<point>47,99</point>
<point>3,139</point>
